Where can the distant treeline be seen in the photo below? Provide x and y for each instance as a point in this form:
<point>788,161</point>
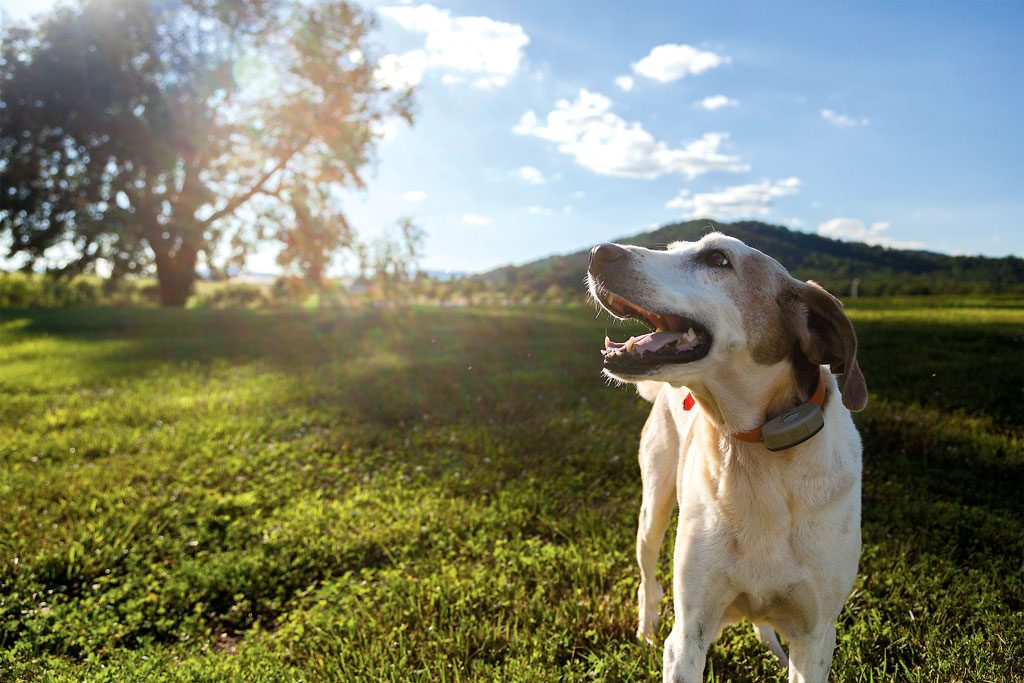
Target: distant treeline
<point>832,263</point>
<point>39,290</point>
<point>557,279</point>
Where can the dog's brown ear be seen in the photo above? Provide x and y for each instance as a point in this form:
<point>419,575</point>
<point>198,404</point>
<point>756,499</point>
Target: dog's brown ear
<point>826,337</point>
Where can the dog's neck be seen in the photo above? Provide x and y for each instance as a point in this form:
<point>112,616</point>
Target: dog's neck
<point>740,399</point>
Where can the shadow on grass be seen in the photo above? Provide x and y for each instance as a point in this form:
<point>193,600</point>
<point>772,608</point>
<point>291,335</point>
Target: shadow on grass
<point>974,367</point>
<point>959,365</point>
<point>380,365</point>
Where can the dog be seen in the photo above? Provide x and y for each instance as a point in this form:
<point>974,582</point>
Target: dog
<point>750,434</point>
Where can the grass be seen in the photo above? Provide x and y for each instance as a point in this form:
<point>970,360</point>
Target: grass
<point>445,495</point>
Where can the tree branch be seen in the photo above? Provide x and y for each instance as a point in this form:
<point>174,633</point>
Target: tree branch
<point>237,201</point>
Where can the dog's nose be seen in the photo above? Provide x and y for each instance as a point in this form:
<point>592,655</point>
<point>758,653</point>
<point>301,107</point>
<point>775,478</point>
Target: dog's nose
<point>607,253</point>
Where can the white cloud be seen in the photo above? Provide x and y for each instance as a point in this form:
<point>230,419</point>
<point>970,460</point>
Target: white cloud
<point>531,175</point>
<point>857,230</point>
<point>605,143</point>
<point>423,18</point>
<point>487,50</point>
<point>540,210</point>
<point>755,199</point>
<point>401,71</point>
<point>476,219</point>
<point>671,62</point>
<point>488,82</point>
<point>625,82</point>
<point>414,196</point>
<point>716,102</point>
<point>842,120</point>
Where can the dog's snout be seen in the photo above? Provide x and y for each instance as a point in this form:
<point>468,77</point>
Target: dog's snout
<point>607,253</point>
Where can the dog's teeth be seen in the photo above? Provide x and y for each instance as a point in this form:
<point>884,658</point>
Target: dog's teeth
<point>607,342</point>
<point>690,336</point>
<point>630,343</point>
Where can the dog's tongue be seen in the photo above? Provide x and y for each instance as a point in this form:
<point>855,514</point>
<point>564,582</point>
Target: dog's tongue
<point>655,341</point>
<point>648,343</point>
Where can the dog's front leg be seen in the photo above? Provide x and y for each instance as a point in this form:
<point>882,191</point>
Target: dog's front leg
<point>696,627</point>
<point>658,459</point>
<point>810,656</point>
<point>701,595</point>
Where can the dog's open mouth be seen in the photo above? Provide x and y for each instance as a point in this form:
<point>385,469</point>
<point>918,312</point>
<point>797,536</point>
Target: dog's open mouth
<point>675,339</point>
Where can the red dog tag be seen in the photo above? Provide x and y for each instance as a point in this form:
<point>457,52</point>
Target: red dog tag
<point>688,402</point>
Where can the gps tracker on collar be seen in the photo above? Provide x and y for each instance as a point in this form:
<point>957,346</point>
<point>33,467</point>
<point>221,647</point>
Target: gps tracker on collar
<point>793,427</point>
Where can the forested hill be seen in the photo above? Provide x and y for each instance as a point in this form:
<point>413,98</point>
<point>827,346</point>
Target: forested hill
<point>832,263</point>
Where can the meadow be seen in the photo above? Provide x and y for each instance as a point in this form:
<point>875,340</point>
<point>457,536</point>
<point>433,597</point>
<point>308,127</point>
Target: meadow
<point>429,494</point>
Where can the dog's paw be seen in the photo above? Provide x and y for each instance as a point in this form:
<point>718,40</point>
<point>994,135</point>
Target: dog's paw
<point>645,638</point>
<point>650,598</point>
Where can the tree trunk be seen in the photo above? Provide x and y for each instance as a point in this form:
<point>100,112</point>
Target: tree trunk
<point>176,274</point>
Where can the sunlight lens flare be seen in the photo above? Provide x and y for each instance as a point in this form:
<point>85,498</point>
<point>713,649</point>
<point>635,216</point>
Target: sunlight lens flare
<point>255,76</point>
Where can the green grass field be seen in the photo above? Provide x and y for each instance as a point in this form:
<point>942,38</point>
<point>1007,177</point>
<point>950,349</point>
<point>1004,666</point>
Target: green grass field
<point>445,495</point>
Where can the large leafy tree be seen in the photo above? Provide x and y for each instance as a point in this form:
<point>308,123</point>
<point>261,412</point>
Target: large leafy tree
<point>172,134</point>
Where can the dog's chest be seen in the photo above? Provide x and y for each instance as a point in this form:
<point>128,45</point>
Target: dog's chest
<point>777,570</point>
<point>775,527</point>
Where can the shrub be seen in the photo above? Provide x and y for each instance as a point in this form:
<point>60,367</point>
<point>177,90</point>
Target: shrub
<point>21,290</point>
<point>231,295</point>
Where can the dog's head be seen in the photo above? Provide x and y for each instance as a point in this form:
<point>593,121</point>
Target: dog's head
<point>715,304</point>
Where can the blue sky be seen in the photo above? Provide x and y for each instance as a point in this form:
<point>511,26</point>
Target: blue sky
<point>548,127</point>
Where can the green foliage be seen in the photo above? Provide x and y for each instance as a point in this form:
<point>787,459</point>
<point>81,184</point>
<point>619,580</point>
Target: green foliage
<point>20,290</point>
<point>831,263</point>
<point>440,494</point>
<point>33,290</point>
<point>232,295</point>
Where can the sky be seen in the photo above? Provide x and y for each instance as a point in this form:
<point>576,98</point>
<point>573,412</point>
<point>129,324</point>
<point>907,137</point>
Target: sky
<point>547,127</point>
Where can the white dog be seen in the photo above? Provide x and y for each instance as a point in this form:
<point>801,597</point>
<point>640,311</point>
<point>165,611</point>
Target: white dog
<point>753,438</point>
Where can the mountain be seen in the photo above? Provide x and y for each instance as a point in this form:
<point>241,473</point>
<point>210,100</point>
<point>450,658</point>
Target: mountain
<point>832,263</point>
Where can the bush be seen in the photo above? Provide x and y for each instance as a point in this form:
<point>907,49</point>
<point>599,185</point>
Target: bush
<point>231,295</point>
<point>35,290</point>
<point>20,290</point>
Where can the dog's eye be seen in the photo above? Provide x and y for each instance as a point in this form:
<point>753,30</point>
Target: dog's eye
<point>717,258</point>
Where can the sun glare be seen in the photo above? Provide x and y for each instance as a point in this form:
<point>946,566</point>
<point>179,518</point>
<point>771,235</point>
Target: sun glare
<point>255,76</point>
<point>20,10</point>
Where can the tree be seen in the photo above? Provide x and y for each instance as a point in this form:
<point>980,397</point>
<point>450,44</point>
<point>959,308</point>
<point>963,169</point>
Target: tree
<point>172,135</point>
<point>390,262</point>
